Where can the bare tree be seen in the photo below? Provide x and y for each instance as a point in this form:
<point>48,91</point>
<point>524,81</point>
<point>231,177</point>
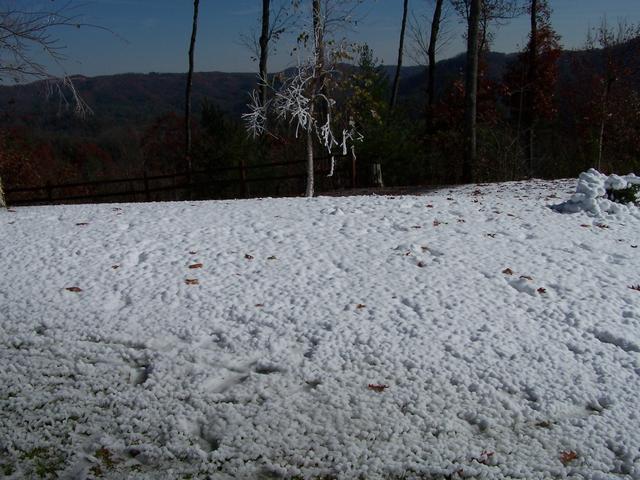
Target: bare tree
<point>492,13</point>
<point>431,52</point>
<point>264,48</point>
<point>530,119</point>
<point>277,18</point>
<point>187,107</point>
<point>429,35</point>
<point>396,79</point>
<point>471,90</point>
<point>25,33</point>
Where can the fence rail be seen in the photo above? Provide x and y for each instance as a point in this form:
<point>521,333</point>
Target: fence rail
<point>203,183</point>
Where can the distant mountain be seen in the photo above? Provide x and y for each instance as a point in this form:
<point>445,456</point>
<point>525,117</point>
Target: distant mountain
<point>136,99</point>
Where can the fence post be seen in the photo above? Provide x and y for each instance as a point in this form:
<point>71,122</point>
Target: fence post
<point>49,189</point>
<point>147,195</point>
<point>243,178</point>
<point>353,168</point>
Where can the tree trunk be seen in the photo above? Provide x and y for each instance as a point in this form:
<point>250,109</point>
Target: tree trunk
<point>3,201</point>
<point>264,50</point>
<point>532,87</point>
<point>187,109</point>
<point>318,52</point>
<point>603,121</point>
<point>431,72</point>
<point>396,79</point>
<point>471,92</point>
<point>310,164</point>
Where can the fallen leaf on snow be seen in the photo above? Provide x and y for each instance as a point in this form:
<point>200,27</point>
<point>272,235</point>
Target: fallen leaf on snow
<point>81,224</point>
<point>422,264</point>
<point>542,290</point>
<point>192,281</point>
<point>248,257</point>
<point>74,289</point>
<point>195,265</point>
<point>568,456</point>
<point>584,225</point>
<point>635,287</point>
<point>602,225</point>
<point>115,267</point>
<point>360,306</point>
<point>526,277</point>
<point>272,257</point>
<point>259,305</point>
<point>492,235</point>
<point>507,271</point>
<point>192,252</point>
<point>436,223</point>
<point>377,387</point>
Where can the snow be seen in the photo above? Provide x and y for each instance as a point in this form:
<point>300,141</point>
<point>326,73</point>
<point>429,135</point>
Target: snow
<point>506,333</point>
<point>591,193</point>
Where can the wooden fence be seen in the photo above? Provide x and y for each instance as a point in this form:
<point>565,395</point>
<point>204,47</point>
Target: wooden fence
<point>224,182</point>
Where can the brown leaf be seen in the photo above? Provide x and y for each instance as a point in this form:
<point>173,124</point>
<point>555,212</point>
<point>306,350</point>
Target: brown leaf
<point>429,206</point>
<point>417,226</point>
<point>526,277</point>
<point>568,456</point>
<point>272,257</point>
<point>422,264</point>
<point>192,281</point>
<point>507,271</point>
<point>74,289</point>
<point>192,252</point>
<point>436,223</point>
<point>635,287</point>
<point>377,387</point>
<point>115,267</point>
<point>584,225</point>
<point>602,225</point>
<point>195,265</point>
<point>542,290</point>
<point>360,306</point>
<point>492,235</point>
<point>81,224</point>
<point>461,220</point>
<point>259,305</point>
<point>248,257</point>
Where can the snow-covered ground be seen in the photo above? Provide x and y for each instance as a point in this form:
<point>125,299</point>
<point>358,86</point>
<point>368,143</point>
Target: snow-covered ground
<point>466,333</point>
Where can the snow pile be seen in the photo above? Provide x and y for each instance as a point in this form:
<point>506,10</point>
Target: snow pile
<point>591,194</point>
<point>467,333</point>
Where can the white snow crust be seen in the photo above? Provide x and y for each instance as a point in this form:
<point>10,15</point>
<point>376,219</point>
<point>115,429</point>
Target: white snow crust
<point>591,193</point>
<point>464,333</point>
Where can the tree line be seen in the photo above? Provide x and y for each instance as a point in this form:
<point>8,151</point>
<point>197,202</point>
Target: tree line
<point>548,113</point>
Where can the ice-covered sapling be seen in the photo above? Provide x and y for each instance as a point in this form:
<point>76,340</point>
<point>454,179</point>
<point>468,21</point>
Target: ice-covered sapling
<point>303,102</point>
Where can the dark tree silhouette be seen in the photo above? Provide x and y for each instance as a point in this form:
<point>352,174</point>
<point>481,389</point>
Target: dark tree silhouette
<point>396,79</point>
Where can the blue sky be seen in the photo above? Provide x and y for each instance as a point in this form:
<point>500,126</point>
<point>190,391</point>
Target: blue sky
<point>157,32</point>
